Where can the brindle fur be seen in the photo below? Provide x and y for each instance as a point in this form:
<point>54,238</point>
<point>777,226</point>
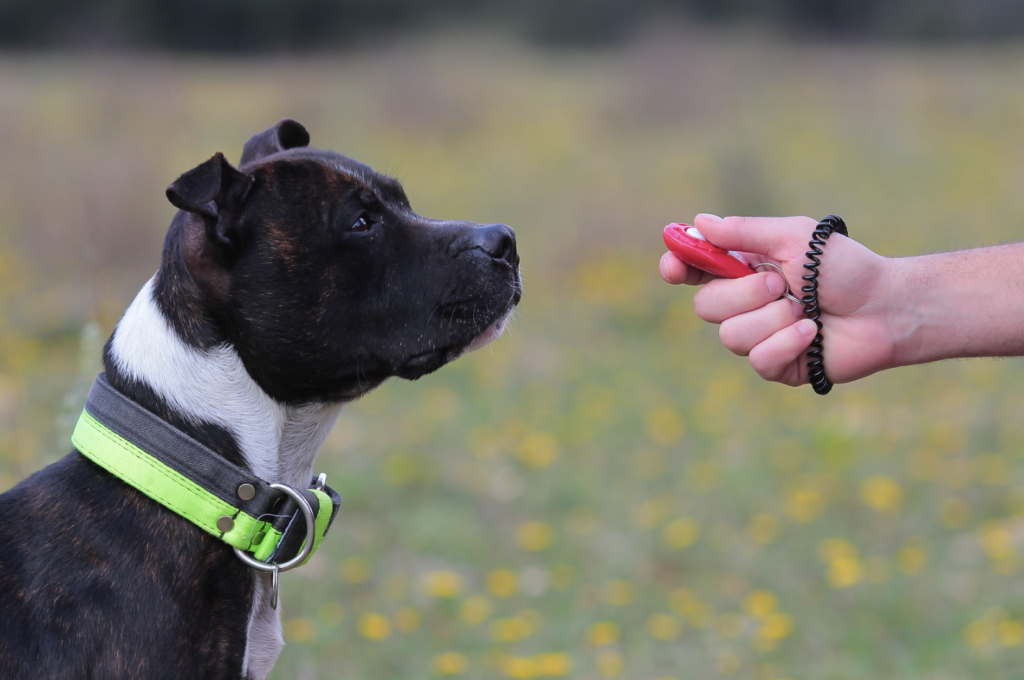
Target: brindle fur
<point>98,581</point>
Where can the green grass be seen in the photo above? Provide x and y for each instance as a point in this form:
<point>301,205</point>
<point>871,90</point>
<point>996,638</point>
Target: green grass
<point>605,491</point>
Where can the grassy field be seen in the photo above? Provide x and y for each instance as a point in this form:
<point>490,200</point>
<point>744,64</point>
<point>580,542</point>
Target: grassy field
<point>605,492</point>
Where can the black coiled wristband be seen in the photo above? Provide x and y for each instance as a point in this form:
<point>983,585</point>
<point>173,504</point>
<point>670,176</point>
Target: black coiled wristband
<point>815,355</point>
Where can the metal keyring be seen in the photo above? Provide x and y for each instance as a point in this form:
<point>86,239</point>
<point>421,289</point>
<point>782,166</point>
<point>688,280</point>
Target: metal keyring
<point>307,512</point>
<point>783,275</point>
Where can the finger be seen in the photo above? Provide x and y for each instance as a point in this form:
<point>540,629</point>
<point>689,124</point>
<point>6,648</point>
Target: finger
<point>724,298</point>
<point>676,272</point>
<point>776,237</point>
<point>741,333</point>
<point>776,358</point>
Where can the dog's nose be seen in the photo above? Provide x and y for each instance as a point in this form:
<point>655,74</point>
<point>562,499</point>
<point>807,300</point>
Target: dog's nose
<point>497,240</point>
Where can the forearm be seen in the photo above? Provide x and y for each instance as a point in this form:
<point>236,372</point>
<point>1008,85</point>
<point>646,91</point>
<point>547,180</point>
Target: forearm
<point>961,304</point>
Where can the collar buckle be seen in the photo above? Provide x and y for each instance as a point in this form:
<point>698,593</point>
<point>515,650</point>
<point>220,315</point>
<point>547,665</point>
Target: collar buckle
<point>307,547</point>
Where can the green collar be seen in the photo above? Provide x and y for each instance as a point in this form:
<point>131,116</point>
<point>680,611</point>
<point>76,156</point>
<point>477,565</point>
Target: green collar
<point>281,527</point>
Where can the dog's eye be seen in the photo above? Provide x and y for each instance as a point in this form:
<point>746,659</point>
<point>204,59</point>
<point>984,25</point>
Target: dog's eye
<point>362,224</point>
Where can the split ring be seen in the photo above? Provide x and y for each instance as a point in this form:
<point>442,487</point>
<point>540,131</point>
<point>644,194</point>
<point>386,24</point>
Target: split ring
<point>783,275</point>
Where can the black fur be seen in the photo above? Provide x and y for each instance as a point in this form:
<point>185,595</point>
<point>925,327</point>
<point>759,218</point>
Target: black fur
<point>399,299</point>
<point>287,134</point>
<point>324,280</point>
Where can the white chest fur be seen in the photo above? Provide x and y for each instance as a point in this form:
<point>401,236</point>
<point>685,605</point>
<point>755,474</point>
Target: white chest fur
<point>278,442</point>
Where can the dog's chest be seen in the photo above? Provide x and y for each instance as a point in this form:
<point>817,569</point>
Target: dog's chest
<point>265,640</point>
<point>277,442</point>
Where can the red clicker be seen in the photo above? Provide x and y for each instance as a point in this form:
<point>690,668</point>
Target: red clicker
<point>691,247</point>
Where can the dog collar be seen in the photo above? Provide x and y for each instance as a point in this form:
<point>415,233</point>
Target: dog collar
<point>262,521</point>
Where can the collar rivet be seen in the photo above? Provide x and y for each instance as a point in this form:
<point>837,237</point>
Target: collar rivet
<point>225,523</point>
<point>247,492</point>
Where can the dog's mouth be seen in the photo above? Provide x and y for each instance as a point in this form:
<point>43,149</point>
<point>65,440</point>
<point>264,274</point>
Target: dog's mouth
<point>428,362</point>
<point>494,331</point>
<point>489,334</point>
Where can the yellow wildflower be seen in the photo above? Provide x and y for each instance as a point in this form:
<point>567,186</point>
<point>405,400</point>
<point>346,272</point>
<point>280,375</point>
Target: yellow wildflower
<point>450,663</point>
<point>775,626</point>
<point>534,536</point>
<point>912,559</point>
<point>760,603</point>
<point>374,626</point>
<point>978,633</point>
<point>502,583</point>
<point>845,572</point>
<point>603,633</point>
<point>1011,633</point>
<point>511,629</point>
<point>680,533</point>
<point>447,584</point>
<point>618,592</point>
<point>475,610</point>
<point>664,425</point>
<point>539,450</point>
<point>805,504</point>
<point>998,541</point>
<point>836,548</point>
<point>553,665</point>
<point>519,667</point>
<point>686,603</point>
<point>882,494</point>
<point>663,627</point>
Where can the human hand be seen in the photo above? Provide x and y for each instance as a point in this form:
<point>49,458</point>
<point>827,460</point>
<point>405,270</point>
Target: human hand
<point>854,293</point>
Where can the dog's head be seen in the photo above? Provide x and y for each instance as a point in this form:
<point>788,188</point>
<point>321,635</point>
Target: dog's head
<point>317,270</point>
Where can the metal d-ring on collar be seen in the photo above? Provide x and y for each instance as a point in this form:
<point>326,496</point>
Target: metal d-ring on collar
<point>783,275</point>
<point>307,548</point>
<point>194,482</point>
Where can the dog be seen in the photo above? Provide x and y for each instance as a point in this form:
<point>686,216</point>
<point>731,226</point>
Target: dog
<point>288,286</point>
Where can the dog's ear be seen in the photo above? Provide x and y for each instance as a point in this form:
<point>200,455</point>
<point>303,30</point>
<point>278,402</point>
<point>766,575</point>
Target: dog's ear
<point>287,134</point>
<point>214,191</point>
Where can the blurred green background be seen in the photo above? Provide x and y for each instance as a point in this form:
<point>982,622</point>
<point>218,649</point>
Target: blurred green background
<point>605,492</point>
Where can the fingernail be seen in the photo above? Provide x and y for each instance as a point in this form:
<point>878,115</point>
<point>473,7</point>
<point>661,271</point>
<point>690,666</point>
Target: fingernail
<point>661,267</point>
<point>708,217</point>
<point>807,328</point>
<point>776,286</point>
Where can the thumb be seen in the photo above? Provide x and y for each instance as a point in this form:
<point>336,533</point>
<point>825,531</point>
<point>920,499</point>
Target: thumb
<point>772,236</point>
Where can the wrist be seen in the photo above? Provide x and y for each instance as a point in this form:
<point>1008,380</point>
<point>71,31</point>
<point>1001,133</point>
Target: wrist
<point>902,297</point>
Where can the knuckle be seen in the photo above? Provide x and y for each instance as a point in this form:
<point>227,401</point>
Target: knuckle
<point>731,337</point>
<point>705,304</point>
<point>770,286</point>
<point>808,223</point>
<point>792,380</point>
<point>765,365</point>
